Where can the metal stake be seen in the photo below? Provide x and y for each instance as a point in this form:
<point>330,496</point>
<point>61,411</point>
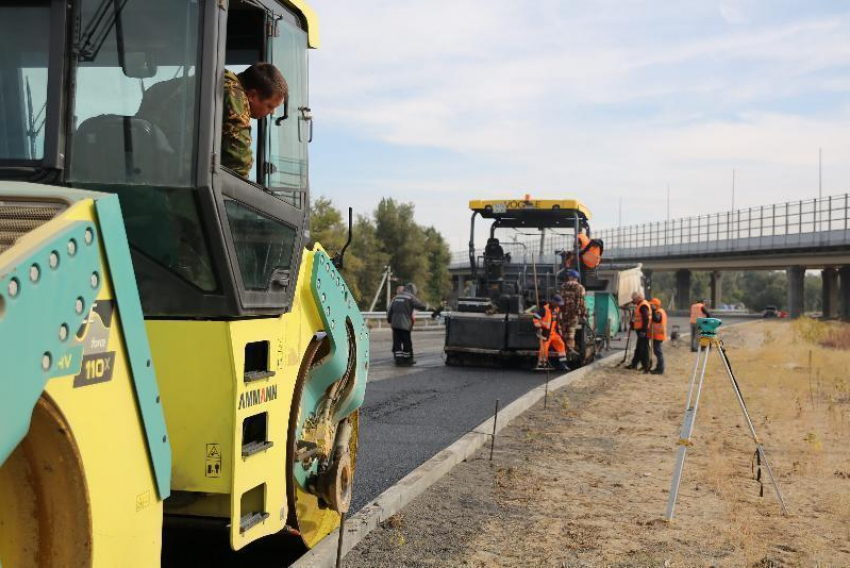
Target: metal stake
<point>493,438</point>
<point>546,392</point>
<point>341,536</point>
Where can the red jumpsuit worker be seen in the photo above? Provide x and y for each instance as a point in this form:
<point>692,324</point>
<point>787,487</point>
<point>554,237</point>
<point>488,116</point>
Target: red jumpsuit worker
<point>546,321</point>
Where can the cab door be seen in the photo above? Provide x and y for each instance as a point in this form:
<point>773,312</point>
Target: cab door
<point>265,218</point>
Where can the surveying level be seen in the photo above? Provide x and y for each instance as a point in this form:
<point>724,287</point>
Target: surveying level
<point>708,338</point>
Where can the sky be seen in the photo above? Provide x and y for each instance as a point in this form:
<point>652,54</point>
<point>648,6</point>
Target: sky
<point>441,102</point>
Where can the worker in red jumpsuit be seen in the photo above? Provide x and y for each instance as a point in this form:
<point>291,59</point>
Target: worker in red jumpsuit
<point>546,320</point>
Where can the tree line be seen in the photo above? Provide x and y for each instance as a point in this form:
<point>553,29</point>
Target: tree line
<point>389,236</point>
<point>753,289</point>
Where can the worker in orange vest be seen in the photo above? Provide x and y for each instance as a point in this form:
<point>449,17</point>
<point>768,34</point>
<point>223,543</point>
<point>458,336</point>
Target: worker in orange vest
<point>698,310</point>
<point>546,320</point>
<point>642,324</point>
<point>590,251</point>
<point>658,333</point>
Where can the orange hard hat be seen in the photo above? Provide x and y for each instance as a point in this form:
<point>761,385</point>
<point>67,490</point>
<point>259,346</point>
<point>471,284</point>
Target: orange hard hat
<point>655,302</point>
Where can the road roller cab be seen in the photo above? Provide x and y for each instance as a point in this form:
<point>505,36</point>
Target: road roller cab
<point>222,363</point>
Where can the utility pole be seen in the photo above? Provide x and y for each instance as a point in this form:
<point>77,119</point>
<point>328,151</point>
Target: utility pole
<point>820,173</point>
<point>733,189</point>
<point>667,224</point>
<point>389,286</point>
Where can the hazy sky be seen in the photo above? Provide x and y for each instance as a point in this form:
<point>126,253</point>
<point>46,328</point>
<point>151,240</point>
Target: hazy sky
<point>437,103</point>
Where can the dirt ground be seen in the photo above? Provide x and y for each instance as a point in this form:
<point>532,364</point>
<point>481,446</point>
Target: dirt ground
<point>585,481</point>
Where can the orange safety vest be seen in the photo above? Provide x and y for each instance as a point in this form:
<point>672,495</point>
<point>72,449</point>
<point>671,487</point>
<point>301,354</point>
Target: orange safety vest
<point>659,328</point>
<point>589,251</point>
<point>547,320</point>
<point>639,323</point>
<point>696,312</point>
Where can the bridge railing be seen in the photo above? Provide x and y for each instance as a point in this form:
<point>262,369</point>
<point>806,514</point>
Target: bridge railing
<point>811,222</point>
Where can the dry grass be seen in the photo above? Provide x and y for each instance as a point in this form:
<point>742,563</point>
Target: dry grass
<point>585,482</point>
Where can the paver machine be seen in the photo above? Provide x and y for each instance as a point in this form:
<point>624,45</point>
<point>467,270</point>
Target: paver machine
<point>493,322</point>
<point>168,347</point>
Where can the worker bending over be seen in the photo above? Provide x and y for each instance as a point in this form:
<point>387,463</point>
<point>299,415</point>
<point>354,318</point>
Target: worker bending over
<point>400,315</point>
<point>698,310</point>
<point>641,324</point>
<point>574,308</point>
<point>589,251</point>
<point>547,321</point>
<point>659,334</point>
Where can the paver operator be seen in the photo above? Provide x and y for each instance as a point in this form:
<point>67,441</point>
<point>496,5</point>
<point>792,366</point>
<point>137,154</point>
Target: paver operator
<point>641,324</point>
<point>659,334</point>
<point>547,321</point>
<point>698,310</point>
<point>574,308</point>
<point>400,316</point>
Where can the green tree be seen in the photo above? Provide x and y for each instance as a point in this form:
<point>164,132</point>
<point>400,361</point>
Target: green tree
<point>439,256</point>
<point>403,240</point>
<point>327,226</point>
<point>372,261</point>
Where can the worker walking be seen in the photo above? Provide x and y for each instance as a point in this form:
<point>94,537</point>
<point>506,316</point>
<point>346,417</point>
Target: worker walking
<point>641,324</point>
<point>574,309</point>
<point>400,315</point>
<point>546,320</point>
<point>659,334</point>
<point>698,310</point>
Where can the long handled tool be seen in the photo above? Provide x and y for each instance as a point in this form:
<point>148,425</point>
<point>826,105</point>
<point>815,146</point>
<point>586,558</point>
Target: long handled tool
<point>707,340</point>
<point>628,343</point>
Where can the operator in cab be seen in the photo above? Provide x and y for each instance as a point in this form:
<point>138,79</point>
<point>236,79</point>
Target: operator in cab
<point>254,93</point>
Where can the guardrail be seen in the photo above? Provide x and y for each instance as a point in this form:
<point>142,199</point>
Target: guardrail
<point>378,320</point>
<point>812,222</point>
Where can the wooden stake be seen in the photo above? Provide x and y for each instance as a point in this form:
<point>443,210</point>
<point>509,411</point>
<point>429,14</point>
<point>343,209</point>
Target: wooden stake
<point>493,438</point>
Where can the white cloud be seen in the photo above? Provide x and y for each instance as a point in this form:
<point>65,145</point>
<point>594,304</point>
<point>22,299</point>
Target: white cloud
<point>599,100</point>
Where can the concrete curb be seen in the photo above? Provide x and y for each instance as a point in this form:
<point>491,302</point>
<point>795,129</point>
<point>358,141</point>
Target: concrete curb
<point>416,482</point>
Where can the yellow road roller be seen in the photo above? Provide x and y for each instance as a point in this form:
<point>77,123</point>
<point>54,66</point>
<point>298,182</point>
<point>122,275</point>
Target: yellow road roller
<point>169,347</point>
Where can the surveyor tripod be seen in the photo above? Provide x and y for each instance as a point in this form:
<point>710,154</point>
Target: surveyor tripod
<point>707,340</point>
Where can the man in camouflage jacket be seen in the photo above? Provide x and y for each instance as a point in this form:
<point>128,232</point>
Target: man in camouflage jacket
<point>254,93</point>
<point>574,307</point>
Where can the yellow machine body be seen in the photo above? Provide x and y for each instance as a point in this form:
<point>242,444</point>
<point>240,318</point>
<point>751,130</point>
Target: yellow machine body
<point>100,462</point>
<point>201,371</point>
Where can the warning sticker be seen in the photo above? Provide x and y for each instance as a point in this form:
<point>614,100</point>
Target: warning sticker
<point>213,461</point>
<point>143,501</point>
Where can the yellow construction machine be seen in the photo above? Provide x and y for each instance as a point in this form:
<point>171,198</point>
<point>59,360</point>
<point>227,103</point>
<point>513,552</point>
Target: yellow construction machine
<point>168,346</point>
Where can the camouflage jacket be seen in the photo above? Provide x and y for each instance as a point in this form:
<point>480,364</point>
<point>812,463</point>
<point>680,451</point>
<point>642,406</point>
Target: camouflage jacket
<point>573,294</point>
<point>236,151</point>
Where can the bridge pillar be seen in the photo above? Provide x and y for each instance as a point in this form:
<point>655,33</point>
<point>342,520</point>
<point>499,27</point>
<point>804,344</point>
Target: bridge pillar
<point>716,288</point>
<point>683,289</point>
<point>829,277</point>
<point>647,274</point>
<point>844,293</point>
<point>796,276</point>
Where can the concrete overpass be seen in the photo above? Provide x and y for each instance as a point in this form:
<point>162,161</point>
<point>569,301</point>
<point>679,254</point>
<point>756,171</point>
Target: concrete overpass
<point>794,236</point>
